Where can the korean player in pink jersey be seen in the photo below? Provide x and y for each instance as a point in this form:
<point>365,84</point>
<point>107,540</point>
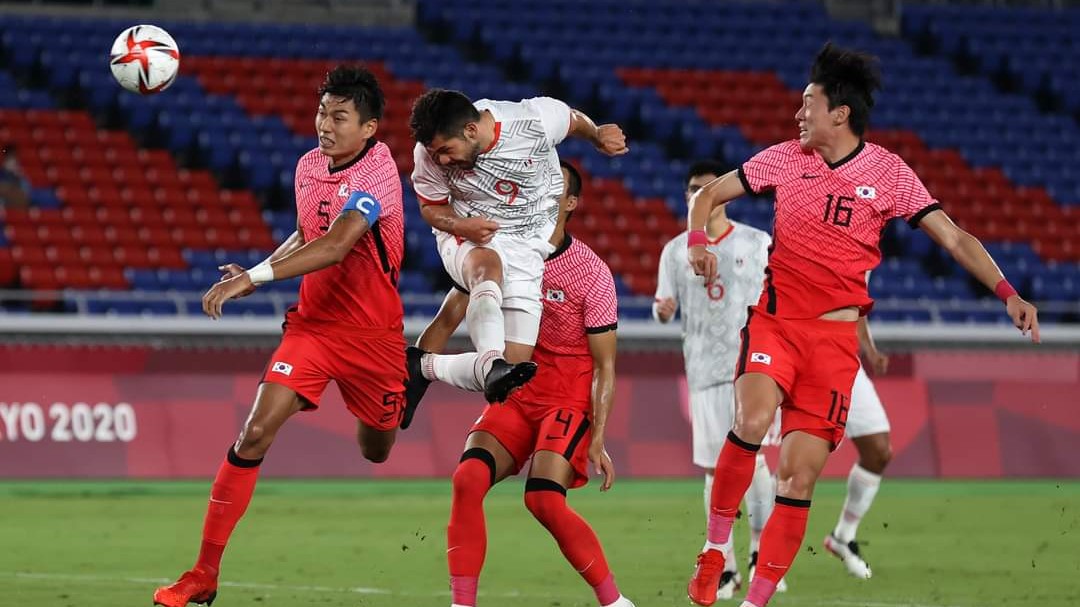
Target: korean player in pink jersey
<point>488,179</point>
<point>348,325</point>
<point>834,193</point>
<point>558,418</point>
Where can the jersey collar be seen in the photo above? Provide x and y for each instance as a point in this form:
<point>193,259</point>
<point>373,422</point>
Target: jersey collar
<point>495,139</point>
<point>566,242</point>
<point>839,163</point>
<point>367,148</point>
<point>727,232</point>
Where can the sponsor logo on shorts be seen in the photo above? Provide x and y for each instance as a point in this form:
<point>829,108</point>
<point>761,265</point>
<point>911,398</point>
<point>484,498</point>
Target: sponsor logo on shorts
<point>282,368</point>
<point>343,190</point>
<point>760,357</point>
<point>866,191</point>
<point>555,295</point>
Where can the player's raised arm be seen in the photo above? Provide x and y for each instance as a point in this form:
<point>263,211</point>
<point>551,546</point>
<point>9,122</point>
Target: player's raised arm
<point>359,213</point>
<point>602,346</point>
<point>719,191</point>
<point>970,253</point>
<point>608,138</point>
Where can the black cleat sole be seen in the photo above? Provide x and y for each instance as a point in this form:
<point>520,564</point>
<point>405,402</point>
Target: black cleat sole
<point>518,376</point>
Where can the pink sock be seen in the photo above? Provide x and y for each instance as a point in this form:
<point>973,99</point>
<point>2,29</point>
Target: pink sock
<point>606,591</point>
<point>761,590</point>
<point>463,589</point>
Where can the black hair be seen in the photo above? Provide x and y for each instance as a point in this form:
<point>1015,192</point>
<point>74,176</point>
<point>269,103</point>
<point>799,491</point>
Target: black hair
<point>357,83</point>
<point>705,167</point>
<point>848,77</point>
<point>441,112</point>
<point>574,187</point>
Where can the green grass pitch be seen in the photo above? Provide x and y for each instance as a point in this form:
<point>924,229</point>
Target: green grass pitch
<point>382,543</point>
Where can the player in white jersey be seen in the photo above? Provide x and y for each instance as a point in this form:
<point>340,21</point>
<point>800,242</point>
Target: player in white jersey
<point>712,316</point>
<point>868,428</point>
<point>488,179</point>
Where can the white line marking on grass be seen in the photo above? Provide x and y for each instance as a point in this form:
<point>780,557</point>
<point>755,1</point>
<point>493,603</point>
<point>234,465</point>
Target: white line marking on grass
<point>85,577</point>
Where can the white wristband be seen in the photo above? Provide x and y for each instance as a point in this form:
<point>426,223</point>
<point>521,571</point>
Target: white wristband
<point>261,273</point>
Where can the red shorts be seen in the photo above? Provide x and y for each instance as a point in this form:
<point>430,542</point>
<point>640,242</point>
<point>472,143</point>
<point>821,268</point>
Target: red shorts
<point>524,430</point>
<point>814,361</point>
<point>369,370</point>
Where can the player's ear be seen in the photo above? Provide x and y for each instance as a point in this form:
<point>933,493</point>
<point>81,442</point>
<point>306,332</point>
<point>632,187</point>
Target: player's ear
<point>368,128</point>
<point>572,202</point>
<point>840,114</point>
<point>472,129</point>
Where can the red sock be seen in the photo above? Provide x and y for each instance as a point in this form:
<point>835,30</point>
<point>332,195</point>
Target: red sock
<point>734,471</point>
<point>466,536</point>
<point>229,498</point>
<point>780,542</point>
<point>546,499</point>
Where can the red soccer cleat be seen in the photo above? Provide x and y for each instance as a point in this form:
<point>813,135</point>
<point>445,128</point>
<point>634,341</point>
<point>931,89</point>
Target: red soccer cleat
<point>195,586</point>
<point>703,585</point>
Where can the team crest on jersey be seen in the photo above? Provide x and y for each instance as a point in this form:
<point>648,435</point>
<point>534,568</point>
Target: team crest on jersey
<point>866,191</point>
<point>343,190</point>
<point>282,368</point>
<point>555,296</point>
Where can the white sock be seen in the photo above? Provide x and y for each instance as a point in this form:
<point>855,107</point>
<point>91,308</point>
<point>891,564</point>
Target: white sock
<point>484,318</point>
<point>760,498</point>
<point>862,486</point>
<point>458,370</point>
<point>708,494</point>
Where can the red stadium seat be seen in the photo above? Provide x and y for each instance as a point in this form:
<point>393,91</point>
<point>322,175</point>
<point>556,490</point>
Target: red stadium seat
<point>108,277</point>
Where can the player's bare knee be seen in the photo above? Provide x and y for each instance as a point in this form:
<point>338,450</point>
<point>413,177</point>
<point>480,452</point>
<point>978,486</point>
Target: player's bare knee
<point>253,442</point>
<point>376,454</point>
<point>877,460</point>
<point>483,264</point>
<point>752,426</point>
<point>798,484</point>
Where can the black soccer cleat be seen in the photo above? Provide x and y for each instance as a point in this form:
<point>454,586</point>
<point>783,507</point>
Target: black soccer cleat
<point>504,377</point>
<point>415,386</point>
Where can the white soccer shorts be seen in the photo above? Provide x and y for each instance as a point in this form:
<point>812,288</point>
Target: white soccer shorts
<point>523,271</point>
<point>867,414</point>
<point>712,414</point>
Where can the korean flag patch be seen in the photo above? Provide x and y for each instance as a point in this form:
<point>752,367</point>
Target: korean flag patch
<point>866,191</point>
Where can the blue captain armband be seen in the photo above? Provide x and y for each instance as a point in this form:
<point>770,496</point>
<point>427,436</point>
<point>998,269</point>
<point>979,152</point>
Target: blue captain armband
<point>365,204</point>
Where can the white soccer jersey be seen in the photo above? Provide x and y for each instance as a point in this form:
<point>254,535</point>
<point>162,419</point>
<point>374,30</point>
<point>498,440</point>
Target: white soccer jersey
<point>517,181</point>
<point>714,314</point>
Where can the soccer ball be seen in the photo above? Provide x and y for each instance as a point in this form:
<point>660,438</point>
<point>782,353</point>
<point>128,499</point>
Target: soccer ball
<point>144,59</point>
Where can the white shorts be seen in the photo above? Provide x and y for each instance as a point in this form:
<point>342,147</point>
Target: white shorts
<point>712,415</point>
<point>523,271</point>
<point>867,415</point>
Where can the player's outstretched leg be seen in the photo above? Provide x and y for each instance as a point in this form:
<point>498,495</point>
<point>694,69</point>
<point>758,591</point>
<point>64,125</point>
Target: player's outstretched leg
<point>802,456</point>
<point>863,482</point>
<point>546,500</point>
<point>484,463</point>
<point>757,397</point>
<point>230,495</point>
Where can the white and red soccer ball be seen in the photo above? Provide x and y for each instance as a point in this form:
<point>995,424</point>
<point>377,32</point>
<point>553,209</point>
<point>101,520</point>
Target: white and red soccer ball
<point>145,59</point>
